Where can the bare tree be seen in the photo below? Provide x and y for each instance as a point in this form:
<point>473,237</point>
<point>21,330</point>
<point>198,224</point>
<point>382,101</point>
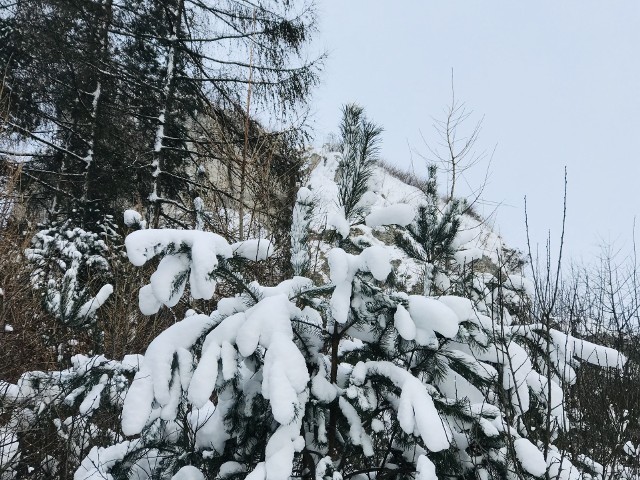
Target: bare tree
<point>455,150</point>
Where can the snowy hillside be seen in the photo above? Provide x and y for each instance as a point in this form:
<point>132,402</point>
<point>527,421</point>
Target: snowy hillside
<point>390,201</point>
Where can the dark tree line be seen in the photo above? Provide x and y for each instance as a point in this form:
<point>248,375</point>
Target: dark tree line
<point>120,102</point>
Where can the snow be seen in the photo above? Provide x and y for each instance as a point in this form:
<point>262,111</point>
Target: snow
<point>134,219</point>
<point>9,447</point>
<point>342,269</point>
<point>100,460</point>
<point>154,378</point>
<point>630,449</point>
<point>280,451</point>
<point>143,245</point>
<point>168,282</point>
<point>425,469</point>
<point>397,214</point>
<point>336,221</point>
<point>90,307</point>
<point>8,328</point>
<point>454,385</point>
<point>289,287</point>
<point>587,351</point>
<point>254,249</point>
<point>228,469</point>
<point>404,323</point>
<point>431,314</point>
<point>341,301</point>
<point>92,400</point>
<point>261,344</point>
<point>415,411</point>
<point>285,376</point>
<point>206,373</point>
<point>377,261</point>
<point>267,324</point>
<point>339,262</point>
<point>518,282</point>
<point>322,389</point>
<point>356,432</point>
<point>170,278</point>
<point>147,301</point>
<point>530,457</point>
<point>267,319</point>
<point>559,467</point>
<point>188,472</point>
<point>463,307</point>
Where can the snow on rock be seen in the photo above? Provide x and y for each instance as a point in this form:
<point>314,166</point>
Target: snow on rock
<point>255,249</point>
<point>468,255</point>
<point>530,457</point>
<point>398,214</point>
<point>518,282</point>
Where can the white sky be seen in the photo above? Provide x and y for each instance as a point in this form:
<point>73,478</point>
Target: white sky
<point>558,83</point>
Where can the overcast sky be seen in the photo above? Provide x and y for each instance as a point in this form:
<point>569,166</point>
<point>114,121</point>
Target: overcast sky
<point>558,83</point>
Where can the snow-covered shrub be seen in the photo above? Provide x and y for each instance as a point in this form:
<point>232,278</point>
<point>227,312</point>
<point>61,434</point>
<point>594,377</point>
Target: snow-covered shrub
<point>354,374</point>
<point>51,420</point>
<point>65,261</point>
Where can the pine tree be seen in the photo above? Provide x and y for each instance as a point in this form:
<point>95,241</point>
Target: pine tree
<point>351,374</point>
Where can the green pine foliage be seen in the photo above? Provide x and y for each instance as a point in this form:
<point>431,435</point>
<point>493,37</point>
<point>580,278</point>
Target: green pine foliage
<point>359,146</point>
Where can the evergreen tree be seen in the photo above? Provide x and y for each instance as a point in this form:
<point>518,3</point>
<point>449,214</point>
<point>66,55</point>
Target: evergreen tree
<point>351,374</point>
<point>114,96</point>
